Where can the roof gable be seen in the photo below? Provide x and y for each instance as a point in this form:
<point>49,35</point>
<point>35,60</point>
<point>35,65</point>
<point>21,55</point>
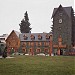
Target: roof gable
<point>13,31</point>
<point>17,33</point>
<point>66,9</point>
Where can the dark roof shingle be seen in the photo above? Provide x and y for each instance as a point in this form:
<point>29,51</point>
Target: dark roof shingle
<point>35,35</point>
<point>66,9</point>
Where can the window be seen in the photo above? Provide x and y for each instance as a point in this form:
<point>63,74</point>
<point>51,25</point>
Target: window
<point>2,38</point>
<point>24,44</point>
<point>39,37</point>
<point>24,50</point>
<point>25,37</point>
<point>46,50</point>
<point>32,37</point>
<point>59,28</point>
<point>38,50</point>
<point>47,36</point>
<point>60,14</point>
<point>46,43</point>
<point>36,43</point>
<point>32,43</point>
<point>39,43</point>
<point>30,50</point>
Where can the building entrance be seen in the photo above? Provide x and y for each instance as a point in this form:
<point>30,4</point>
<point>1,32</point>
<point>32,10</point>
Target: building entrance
<point>61,51</point>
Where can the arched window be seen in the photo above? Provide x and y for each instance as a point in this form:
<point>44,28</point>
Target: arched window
<point>46,50</point>
<point>38,50</point>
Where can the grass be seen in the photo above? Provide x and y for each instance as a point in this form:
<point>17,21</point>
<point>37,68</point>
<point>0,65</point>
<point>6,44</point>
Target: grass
<point>38,65</point>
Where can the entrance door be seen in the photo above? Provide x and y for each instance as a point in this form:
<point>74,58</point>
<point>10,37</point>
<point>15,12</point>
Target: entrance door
<point>61,51</point>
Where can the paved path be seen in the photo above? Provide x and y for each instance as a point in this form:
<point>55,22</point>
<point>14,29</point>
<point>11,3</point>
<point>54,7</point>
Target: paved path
<point>6,57</point>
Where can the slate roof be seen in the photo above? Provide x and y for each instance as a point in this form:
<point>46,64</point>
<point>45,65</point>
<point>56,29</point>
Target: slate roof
<point>21,36</point>
<point>67,10</point>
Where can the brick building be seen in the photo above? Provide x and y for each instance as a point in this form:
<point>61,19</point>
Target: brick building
<point>35,43</point>
<point>29,43</point>
<point>13,42</point>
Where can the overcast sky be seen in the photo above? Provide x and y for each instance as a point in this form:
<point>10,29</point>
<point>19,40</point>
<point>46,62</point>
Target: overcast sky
<point>39,12</point>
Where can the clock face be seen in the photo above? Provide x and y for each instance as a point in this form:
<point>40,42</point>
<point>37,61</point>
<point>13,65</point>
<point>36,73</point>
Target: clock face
<point>60,20</point>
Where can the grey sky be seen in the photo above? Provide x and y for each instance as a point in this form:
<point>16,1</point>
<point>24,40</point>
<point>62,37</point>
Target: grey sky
<point>39,12</point>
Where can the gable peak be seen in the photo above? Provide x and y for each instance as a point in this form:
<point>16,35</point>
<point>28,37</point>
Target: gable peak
<point>60,5</point>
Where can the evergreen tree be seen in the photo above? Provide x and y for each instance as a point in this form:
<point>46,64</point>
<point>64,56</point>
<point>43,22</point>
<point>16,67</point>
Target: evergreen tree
<point>4,55</point>
<point>25,25</point>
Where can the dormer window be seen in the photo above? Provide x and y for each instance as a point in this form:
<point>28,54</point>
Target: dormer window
<point>39,37</point>
<point>32,37</point>
<point>47,36</point>
<point>25,37</point>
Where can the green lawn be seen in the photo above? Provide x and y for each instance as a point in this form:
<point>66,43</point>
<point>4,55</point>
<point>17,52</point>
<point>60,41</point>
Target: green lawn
<point>38,65</point>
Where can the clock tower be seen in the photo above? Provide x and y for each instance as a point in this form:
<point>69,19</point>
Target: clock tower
<point>63,24</point>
